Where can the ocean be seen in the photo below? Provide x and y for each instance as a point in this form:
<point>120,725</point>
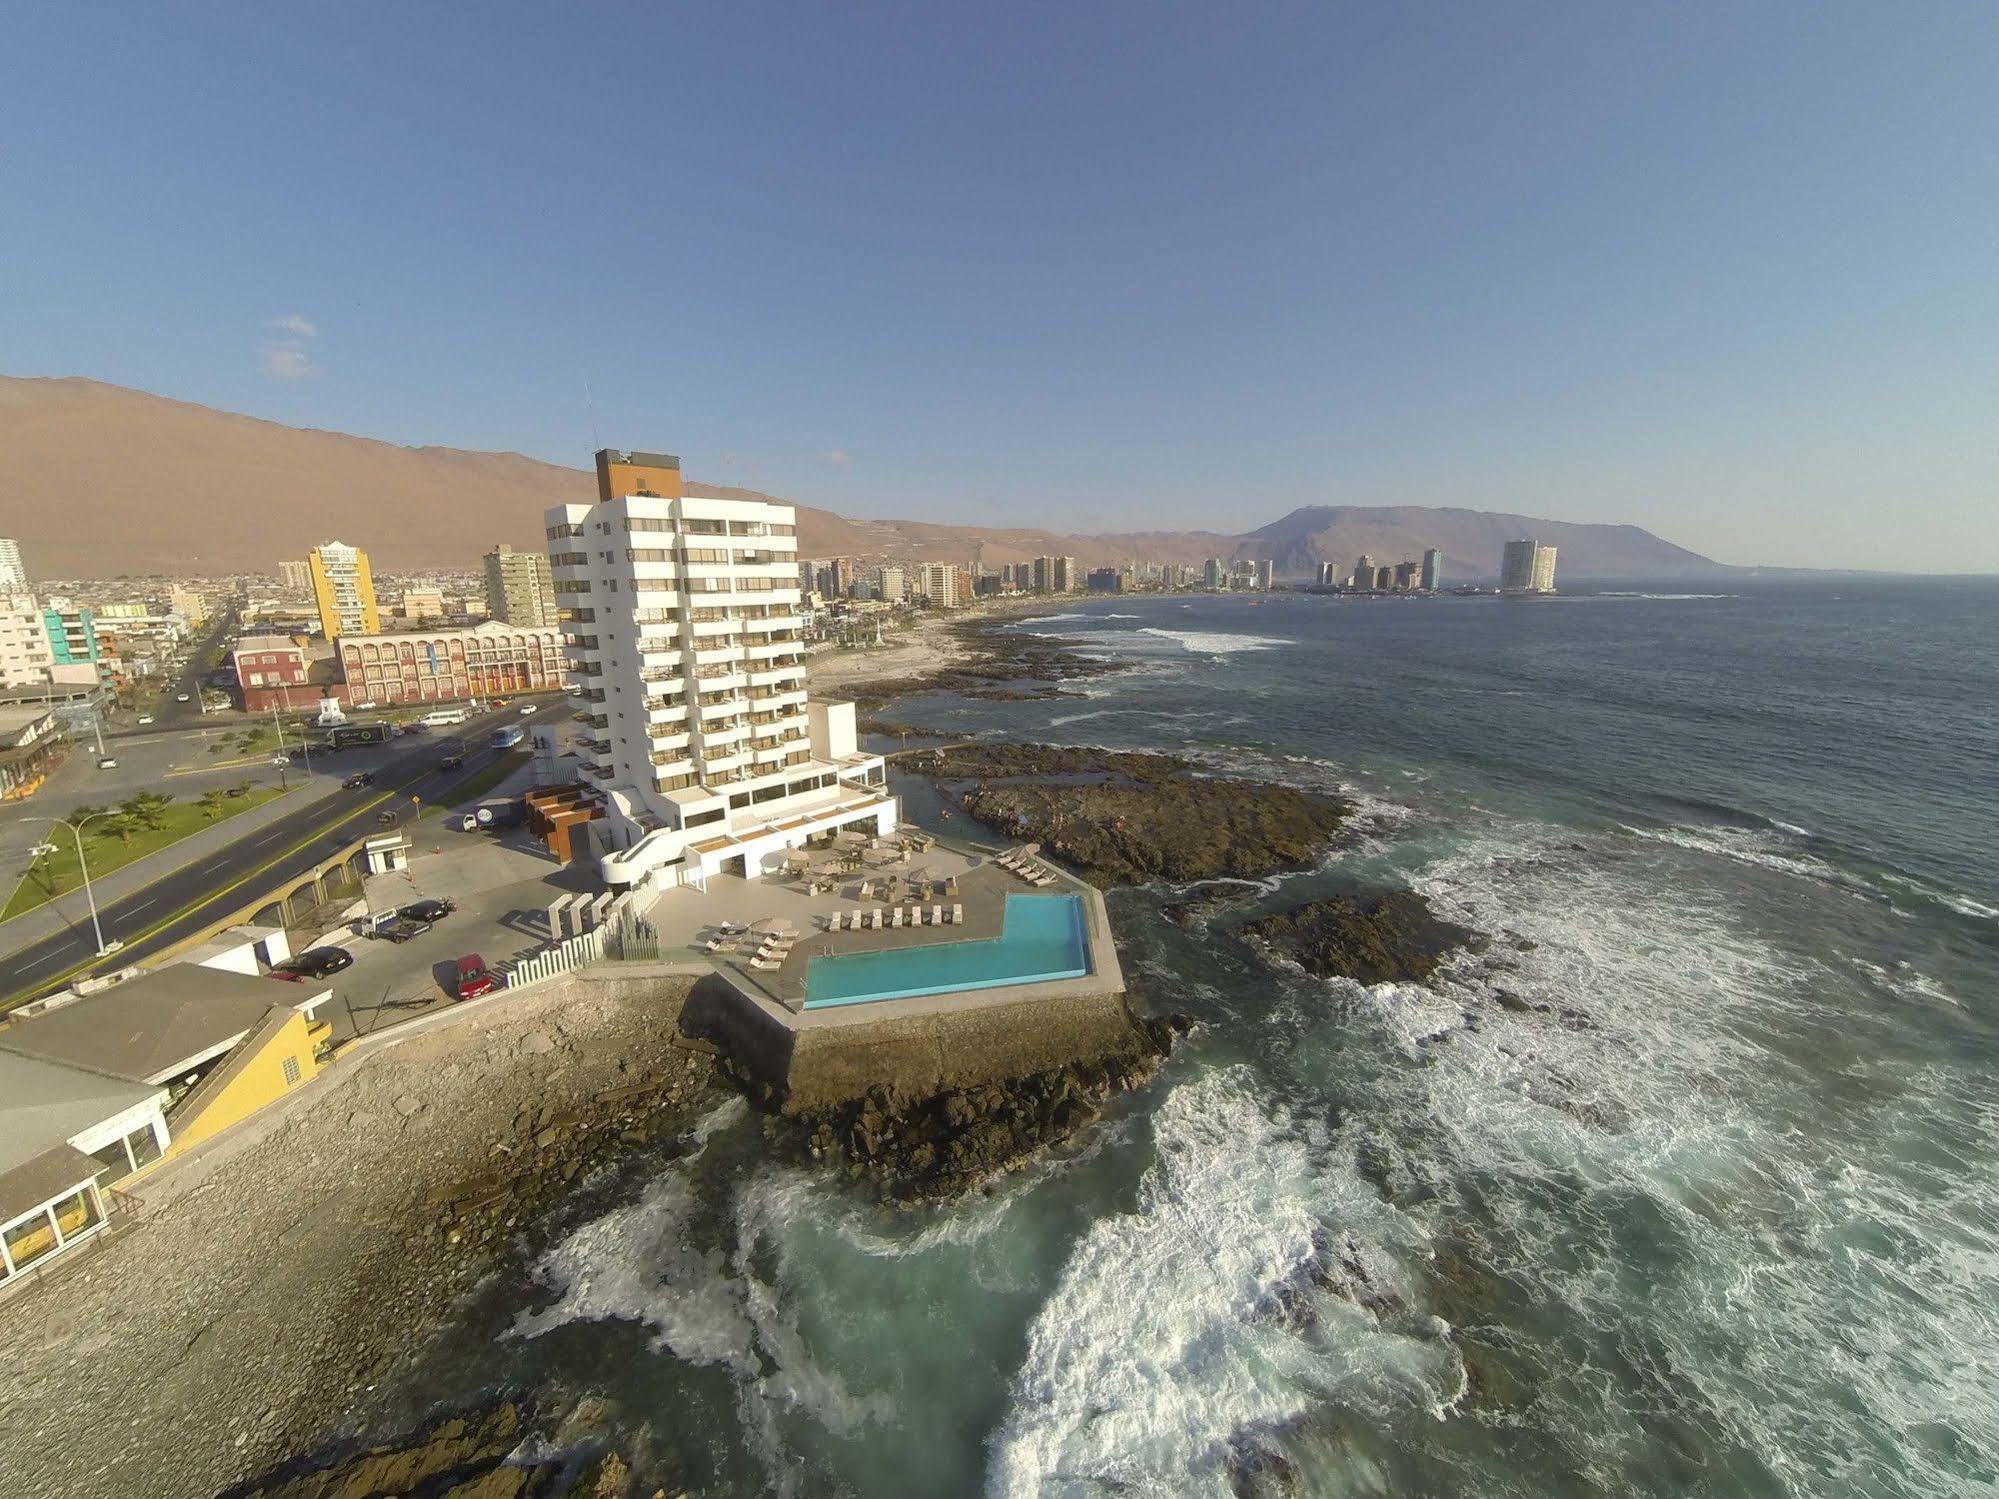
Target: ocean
<point>1721,1217</point>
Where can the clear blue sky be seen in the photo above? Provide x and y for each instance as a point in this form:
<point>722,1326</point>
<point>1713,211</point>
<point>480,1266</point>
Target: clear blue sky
<point>1728,271</point>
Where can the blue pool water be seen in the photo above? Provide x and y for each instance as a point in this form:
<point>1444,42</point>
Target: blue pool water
<point>1041,937</point>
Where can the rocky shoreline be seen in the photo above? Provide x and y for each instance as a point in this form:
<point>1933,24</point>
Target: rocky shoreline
<point>991,663</point>
<point>1122,817</point>
<point>942,1145</point>
<point>290,1273</point>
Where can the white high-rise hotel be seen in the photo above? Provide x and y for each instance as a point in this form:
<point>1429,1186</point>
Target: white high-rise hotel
<point>684,628</point>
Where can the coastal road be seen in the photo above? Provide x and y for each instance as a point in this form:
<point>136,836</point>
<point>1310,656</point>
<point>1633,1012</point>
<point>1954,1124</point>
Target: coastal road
<point>184,902</point>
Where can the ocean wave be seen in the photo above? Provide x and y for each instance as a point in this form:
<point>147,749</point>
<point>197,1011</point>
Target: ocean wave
<point>1774,846</point>
<point>1215,642</point>
<point>1662,1063</point>
<point>1608,593</point>
<point>1200,1322</point>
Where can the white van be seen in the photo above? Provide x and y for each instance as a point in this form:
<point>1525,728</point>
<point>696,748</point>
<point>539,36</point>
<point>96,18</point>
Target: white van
<point>443,718</point>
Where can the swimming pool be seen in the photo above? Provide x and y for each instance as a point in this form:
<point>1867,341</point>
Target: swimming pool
<point>1041,938</point>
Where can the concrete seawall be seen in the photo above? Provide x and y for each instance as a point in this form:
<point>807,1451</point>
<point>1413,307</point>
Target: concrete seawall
<point>915,1052</point>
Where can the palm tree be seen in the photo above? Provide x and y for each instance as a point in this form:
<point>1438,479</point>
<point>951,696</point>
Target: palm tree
<point>148,809</point>
<point>211,804</point>
<point>120,824</point>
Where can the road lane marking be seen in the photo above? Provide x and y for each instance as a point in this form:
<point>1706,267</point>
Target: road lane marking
<point>317,833</point>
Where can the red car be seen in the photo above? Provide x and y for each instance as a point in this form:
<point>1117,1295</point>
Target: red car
<point>474,979</point>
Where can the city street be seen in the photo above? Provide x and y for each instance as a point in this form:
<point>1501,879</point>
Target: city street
<point>183,901</point>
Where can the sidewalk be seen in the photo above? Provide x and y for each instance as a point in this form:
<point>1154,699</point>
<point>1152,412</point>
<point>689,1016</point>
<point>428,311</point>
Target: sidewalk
<point>70,909</point>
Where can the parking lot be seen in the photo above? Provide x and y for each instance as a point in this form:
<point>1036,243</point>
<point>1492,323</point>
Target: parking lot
<point>502,885</point>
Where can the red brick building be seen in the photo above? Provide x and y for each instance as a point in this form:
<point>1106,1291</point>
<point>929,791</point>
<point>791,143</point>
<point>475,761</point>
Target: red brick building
<point>429,666</point>
<point>271,673</point>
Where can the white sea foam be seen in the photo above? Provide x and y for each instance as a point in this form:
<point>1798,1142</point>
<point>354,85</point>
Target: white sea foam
<point>1069,718</point>
<point>1215,642</point>
<point>1176,1327</point>
<point>1664,1101</point>
<point>1662,597</point>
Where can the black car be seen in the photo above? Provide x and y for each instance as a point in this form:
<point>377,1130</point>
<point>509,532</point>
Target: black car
<point>428,910</point>
<point>314,963</point>
<point>359,778</point>
<point>451,762</point>
<point>399,928</point>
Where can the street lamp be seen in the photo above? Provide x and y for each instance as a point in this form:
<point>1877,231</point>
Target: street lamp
<point>104,949</point>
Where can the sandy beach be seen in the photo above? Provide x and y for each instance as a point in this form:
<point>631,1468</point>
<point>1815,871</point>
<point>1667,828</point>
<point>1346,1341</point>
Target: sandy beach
<point>929,643</point>
<point>271,1285</point>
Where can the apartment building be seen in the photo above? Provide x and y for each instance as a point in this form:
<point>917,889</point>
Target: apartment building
<point>938,582</point>
<point>1527,567</point>
<point>520,589</point>
<point>13,572</point>
<point>297,576</point>
<point>25,653</point>
<point>685,627</point>
<point>343,585</point>
<point>271,671</point>
<point>435,666</point>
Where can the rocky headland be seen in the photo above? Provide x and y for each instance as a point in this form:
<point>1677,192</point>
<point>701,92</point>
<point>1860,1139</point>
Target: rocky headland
<point>1395,939</point>
<point>1125,817</point>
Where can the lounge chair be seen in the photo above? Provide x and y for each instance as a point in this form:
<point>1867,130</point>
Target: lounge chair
<point>717,944</point>
<point>765,965</point>
<point>936,915</point>
<point>957,915</point>
<point>877,923</point>
<point>895,916</point>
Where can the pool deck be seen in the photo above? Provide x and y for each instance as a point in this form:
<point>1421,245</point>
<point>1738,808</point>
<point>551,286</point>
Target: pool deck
<point>688,918</point>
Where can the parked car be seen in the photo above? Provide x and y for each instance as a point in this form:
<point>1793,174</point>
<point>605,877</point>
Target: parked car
<point>527,710</point>
<point>145,718</point>
<point>314,963</point>
<point>474,978</point>
<point>180,697</point>
<point>429,910</point>
<point>451,762</point>
<point>359,778</point>
<point>107,763</point>
<point>399,928</point>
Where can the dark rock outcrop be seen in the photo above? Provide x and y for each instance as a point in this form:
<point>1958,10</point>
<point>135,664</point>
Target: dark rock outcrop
<point>509,1450</point>
<point>947,1143</point>
<point>1397,939</point>
<point>1122,817</point>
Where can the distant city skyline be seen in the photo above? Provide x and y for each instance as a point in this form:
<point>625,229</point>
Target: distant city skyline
<point>1722,274</point>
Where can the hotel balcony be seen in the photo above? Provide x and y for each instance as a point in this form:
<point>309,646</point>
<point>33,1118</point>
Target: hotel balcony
<point>667,713</point>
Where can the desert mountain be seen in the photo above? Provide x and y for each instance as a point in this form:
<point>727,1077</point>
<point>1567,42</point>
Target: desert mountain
<point>97,480</point>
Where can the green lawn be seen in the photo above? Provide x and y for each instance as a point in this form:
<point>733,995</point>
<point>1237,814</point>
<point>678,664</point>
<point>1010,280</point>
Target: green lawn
<point>482,781</point>
<point>57,874</point>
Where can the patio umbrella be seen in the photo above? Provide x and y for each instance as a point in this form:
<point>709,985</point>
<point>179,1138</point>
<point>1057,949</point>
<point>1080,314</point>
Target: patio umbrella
<point>850,837</point>
<point>798,858</point>
<point>880,856</point>
<point>773,925</point>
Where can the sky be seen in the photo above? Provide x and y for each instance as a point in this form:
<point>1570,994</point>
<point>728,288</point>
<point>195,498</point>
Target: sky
<point>1726,271</point>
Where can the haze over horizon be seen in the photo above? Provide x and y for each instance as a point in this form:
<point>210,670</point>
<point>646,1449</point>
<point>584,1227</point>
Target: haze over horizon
<point>1724,276</point>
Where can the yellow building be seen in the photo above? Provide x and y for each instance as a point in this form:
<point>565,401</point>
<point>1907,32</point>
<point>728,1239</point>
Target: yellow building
<point>343,586</point>
<point>218,1045</point>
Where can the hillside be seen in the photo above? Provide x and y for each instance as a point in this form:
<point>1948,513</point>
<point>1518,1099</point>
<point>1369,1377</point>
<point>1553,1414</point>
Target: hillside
<point>97,480</point>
